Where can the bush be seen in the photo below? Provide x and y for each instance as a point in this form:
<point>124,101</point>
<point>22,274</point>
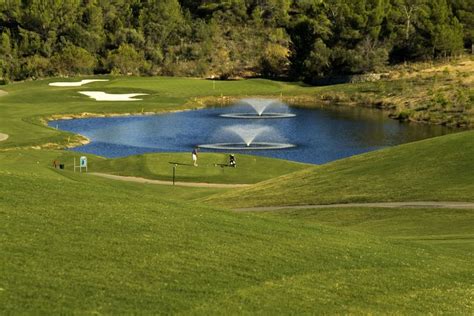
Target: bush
<point>274,62</point>
<point>35,67</point>
<point>127,61</point>
<point>73,60</point>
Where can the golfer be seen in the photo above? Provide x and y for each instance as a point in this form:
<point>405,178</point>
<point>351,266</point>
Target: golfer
<point>195,156</point>
<point>232,161</point>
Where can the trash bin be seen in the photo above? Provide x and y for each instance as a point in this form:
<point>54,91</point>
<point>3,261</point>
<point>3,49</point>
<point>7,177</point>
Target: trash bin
<point>61,166</point>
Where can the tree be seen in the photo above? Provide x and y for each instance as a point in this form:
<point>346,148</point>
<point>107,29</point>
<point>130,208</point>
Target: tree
<point>5,56</point>
<point>369,56</point>
<point>304,32</point>
<point>463,11</point>
<point>410,19</point>
<point>126,61</point>
<point>274,62</point>
<point>35,66</point>
<point>228,38</point>
<point>318,62</point>
<point>73,60</point>
<point>445,30</point>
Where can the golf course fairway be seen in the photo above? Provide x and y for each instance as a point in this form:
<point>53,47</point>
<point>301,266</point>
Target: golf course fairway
<point>75,243</point>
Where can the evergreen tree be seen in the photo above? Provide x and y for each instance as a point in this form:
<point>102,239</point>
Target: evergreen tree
<point>445,30</point>
<point>227,38</point>
<point>126,61</point>
<point>73,60</point>
<point>464,12</point>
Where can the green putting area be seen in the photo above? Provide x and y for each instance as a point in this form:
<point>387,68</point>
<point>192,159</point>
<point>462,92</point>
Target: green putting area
<point>212,167</point>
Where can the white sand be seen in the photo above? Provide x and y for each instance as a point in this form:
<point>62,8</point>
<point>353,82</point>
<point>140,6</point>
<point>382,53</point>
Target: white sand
<point>3,137</point>
<point>75,84</point>
<point>102,96</point>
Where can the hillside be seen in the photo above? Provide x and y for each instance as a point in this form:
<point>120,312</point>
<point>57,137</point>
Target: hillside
<point>438,92</point>
<point>226,39</point>
<point>74,243</point>
<point>430,93</point>
<point>78,244</point>
<point>446,228</point>
<point>438,169</point>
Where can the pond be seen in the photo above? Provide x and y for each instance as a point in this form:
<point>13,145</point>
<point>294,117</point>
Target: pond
<point>313,135</point>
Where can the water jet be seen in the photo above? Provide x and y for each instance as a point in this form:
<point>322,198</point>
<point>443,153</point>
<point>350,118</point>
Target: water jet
<point>259,106</point>
<point>247,135</point>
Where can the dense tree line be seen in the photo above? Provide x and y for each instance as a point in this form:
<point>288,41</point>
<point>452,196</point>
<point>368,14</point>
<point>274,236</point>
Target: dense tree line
<point>226,38</point>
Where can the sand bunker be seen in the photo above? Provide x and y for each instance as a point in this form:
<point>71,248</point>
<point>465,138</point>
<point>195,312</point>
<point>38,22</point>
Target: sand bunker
<point>102,96</point>
<point>75,84</point>
<point>3,137</point>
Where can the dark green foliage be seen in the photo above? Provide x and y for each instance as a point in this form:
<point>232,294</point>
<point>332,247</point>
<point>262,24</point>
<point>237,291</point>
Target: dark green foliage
<point>222,38</point>
<point>126,60</point>
<point>463,11</point>
<point>72,60</point>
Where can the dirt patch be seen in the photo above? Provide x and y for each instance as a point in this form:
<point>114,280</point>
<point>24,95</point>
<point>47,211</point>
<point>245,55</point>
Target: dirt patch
<point>183,184</point>
<point>2,93</point>
<point>462,70</point>
<point>3,137</point>
<point>464,66</point>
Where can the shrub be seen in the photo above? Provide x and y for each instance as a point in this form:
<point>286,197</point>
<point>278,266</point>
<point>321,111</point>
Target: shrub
<point>73,60</point>
<point>127,61</point>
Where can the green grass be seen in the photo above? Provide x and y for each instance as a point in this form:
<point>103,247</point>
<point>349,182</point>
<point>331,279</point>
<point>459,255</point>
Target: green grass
<point>77,243</point>
<point>74,243</point>
<point>437,169</point>
<point>437,227</point>
<point>212,168</point>
<point>38,163</point>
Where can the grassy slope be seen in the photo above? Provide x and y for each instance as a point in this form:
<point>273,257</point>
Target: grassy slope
<point>437,227</point>
<point>438,169</point>
<point>76,243</point>
<point>440,93</point>
<point>159,166</point>
<point>26,162</point>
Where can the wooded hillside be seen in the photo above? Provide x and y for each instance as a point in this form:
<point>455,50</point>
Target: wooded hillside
<point>302,39</point>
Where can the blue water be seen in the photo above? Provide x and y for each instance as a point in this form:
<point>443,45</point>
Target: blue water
<point>320,135</point>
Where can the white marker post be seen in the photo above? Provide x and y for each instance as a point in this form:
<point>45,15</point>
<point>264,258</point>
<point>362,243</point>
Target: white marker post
<point>82,163</point>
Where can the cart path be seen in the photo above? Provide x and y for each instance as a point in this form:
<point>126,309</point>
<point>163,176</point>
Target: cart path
<point>418,204</point>
<point>3,137</point>
<point>177,183</point>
